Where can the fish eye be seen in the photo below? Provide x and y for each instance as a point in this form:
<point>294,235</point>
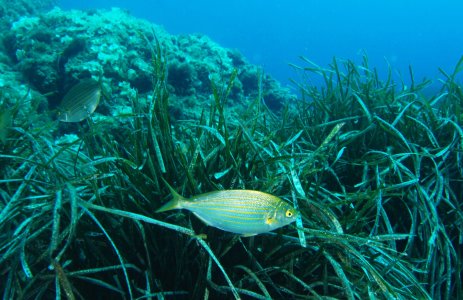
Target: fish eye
<point>289,213</point>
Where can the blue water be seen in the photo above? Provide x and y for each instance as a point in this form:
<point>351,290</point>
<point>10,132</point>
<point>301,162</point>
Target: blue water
<point>272,33</point>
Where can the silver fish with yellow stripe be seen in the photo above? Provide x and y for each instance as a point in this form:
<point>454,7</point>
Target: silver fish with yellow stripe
<point>245,212</point>
<point>80,101</point>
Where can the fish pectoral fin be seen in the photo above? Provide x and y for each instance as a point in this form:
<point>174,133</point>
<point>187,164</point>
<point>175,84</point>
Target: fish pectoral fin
<point>270,220</point>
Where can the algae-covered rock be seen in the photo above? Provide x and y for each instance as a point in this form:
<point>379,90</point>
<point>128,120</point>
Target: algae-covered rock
<point>14,91</point>
<point>13,10</point>
<point>56,49</point>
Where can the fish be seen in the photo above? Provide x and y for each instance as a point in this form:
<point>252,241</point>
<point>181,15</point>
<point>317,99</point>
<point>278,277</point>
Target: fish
<point>80,101</point>
<point>244,212</point>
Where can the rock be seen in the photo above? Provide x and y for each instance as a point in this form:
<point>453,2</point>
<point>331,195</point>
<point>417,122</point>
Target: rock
<point>54,50</point>
<point>13,10</point>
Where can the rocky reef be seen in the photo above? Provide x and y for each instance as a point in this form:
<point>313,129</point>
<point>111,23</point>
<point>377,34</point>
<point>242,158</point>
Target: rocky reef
<point>52,51</point>
<point>13,10</point>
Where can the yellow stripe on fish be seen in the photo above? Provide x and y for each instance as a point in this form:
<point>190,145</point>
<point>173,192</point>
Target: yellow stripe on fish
<point>80,101</point>
<point>244,212</point>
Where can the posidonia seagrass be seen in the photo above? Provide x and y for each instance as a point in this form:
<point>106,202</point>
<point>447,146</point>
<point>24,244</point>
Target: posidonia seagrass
<point>373,166</point>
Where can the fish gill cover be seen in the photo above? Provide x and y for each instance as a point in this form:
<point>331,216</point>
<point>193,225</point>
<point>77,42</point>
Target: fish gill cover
<point>373,166</point>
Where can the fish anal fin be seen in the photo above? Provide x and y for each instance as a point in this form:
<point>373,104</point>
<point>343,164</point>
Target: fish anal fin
<point>204,220</point>
<point>248,234</point>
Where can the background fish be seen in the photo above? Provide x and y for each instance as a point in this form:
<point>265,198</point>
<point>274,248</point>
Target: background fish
<point>244,212</point>
<point>80,102</point>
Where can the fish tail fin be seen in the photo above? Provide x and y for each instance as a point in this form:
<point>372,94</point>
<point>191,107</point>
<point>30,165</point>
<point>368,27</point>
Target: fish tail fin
<point>175,203</point>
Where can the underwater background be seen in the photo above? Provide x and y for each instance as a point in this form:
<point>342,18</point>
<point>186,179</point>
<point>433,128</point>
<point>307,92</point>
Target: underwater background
<point>316,149</point>
<point>425,34</point>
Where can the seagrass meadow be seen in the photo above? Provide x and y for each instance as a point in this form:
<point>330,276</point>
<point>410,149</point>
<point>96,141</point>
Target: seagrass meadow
<point>374,167</point>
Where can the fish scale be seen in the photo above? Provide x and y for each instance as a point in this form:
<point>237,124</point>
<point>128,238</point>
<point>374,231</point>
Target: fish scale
<point>246,212</point>
<point>80,101</point>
